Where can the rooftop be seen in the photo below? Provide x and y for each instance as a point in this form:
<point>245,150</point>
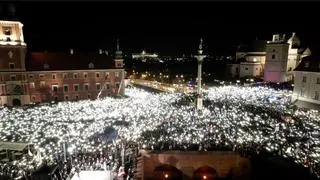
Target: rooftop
<point>41,61</point>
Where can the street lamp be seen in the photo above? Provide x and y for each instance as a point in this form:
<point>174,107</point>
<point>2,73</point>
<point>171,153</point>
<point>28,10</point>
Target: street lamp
<point>200,58</point>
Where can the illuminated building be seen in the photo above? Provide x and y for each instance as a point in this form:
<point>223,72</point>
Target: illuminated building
<point>53,75</point>
<point>307,80</point>
<point>272,60</point>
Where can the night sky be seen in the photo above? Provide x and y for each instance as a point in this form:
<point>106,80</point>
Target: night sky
<point>164,27</point>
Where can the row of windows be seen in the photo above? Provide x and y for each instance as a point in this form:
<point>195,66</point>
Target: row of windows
<point>65,76</point>
<point>76,87</point>
<point>304,80</point>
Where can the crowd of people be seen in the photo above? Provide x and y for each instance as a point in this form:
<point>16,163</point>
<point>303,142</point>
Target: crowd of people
<point>244,119</point>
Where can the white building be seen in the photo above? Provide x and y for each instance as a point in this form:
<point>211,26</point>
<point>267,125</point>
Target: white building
<point>249,61</point>
<point>307,80</point>
<point>282,56</point>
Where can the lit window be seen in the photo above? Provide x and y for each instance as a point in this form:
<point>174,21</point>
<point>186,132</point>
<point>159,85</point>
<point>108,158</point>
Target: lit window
<point>42,83</point>
<point>254,59</point>
<point>11,65</point>
<point>32,85</point>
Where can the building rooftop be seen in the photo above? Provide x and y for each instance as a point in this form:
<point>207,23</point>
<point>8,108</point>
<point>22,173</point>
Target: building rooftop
<point>309,64</point>
<point>46,61</point>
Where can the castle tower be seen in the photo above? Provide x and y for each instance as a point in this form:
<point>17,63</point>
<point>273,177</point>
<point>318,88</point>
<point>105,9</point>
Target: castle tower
<point>12,46</point>
<point>118,57</point>
<point>276,59</point>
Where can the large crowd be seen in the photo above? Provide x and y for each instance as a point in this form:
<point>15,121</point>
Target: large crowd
<point>90,134</point>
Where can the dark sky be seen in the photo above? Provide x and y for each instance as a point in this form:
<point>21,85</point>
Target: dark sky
<point>164,27</point>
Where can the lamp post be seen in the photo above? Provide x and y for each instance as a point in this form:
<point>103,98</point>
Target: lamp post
<point>200,58</point>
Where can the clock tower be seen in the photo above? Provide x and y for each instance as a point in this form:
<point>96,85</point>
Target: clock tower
<point>12,46</point>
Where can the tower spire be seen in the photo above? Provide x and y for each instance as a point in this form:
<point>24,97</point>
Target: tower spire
<point>118,46</point>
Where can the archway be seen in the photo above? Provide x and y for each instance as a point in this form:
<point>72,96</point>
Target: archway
<point>16,102</point>
<point>205,173</point>
<point>166,172</point>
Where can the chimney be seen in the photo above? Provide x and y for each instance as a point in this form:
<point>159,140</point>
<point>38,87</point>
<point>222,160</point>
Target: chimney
<point>71,51</point>
<point>100,51</point>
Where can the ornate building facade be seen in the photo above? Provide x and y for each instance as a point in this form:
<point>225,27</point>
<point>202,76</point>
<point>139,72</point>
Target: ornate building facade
<point>54,76</point>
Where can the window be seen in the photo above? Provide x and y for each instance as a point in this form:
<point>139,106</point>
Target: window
<point>41,75</point>
<point>86,87</point>
<point>97,75</point>
<point>65,88</point>
<point>30,76</point>
<point>117,85</point>
<point>257,69</point>
<point>273,50</point>
<point>65,76</point>
<point>32,85</point>
<point>76,87</point>
<point>53,76</point>
<point>8,39</point>
<point>91,65</point>
<point>316,95</point>
<point>77,98</point>
<point>33,99</point>
<point>13,77</point>
<point>75,76</point>
<point>247,69</point>
<point>42,84</point>
<point>98,86</point>
<point>108,86</point>
<point>106,76</point>
<point>304,79</point>
<point>54,88</point>
<point>85,75</point>
<point>66,98</point>
<point>254,59</point>
<point>273,56</point>
<point>116,74</point>
<point>11,65</point>
<point>7,31</point>
<point>318,80</point>
<point>306,64</point>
